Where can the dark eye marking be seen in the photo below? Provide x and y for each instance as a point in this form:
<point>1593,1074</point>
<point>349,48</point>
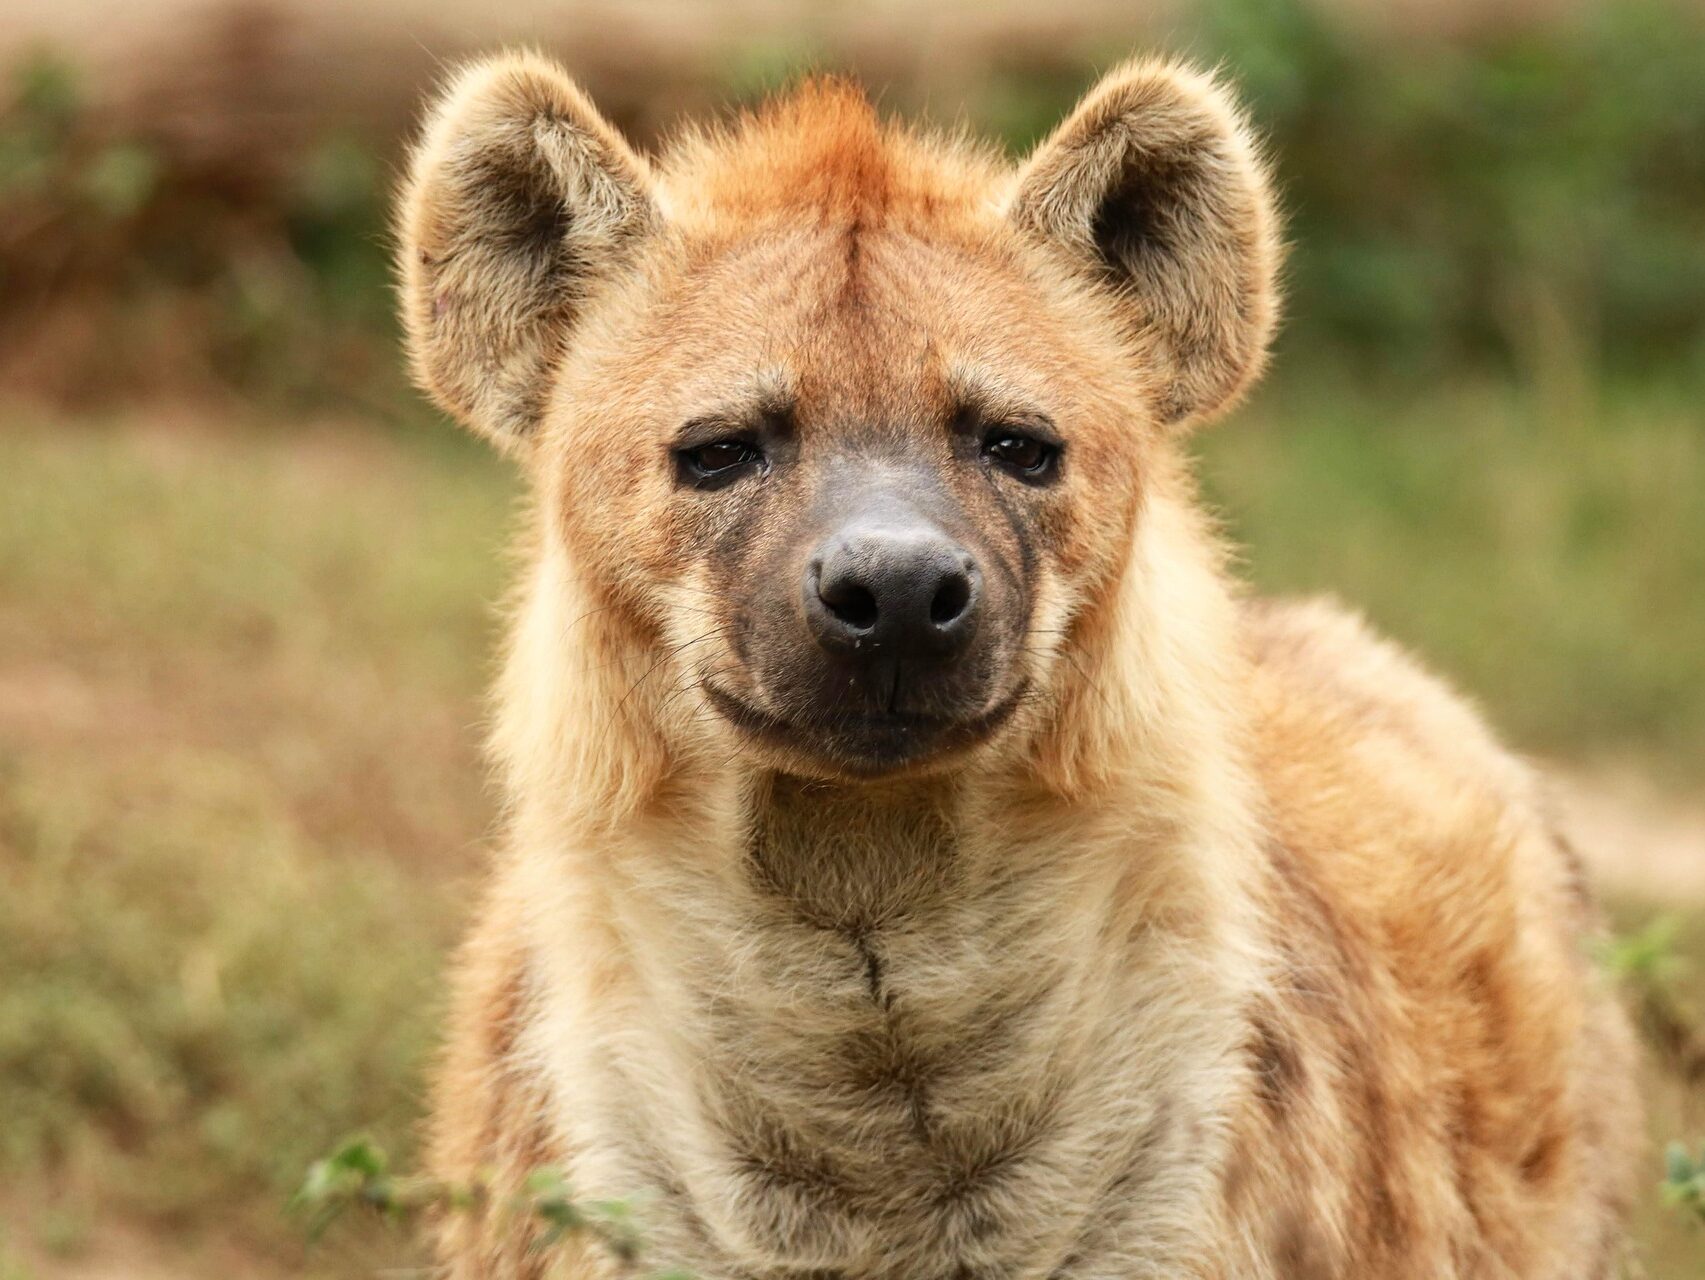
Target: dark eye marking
<point>1006,434</point>
<point>721,455</point>
<point>718,462</point>
<point>1024,452</point>
<point>712,452</point>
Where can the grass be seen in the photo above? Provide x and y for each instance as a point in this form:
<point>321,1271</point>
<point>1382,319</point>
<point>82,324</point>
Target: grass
<point>238,793</point>
<point>240,801</point>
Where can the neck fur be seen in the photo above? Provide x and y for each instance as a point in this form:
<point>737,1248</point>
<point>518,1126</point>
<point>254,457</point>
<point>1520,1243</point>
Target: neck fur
<point>730,954</point>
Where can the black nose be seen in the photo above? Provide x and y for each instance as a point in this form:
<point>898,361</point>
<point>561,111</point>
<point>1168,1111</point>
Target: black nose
<point>907,589</point>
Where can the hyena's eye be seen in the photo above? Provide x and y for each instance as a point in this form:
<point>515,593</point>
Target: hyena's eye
<point>719,460</point>
<point>1024,455</point>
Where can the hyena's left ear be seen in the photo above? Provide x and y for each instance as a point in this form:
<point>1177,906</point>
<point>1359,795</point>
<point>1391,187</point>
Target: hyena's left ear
<point>1154,185</point>
<point>520,200</point>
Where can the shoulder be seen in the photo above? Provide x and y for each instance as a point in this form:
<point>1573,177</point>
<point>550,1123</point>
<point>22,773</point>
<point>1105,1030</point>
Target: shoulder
<point>1326,685</point>
<point>1433,1026</point>
<point>1388,783</point>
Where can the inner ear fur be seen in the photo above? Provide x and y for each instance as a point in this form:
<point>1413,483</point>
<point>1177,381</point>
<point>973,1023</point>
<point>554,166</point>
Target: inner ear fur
<point>520,198</point>
<point>1154,185</point>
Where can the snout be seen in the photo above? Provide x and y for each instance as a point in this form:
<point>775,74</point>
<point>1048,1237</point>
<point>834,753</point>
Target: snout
<point>892,591</point>
<point>885,634</point>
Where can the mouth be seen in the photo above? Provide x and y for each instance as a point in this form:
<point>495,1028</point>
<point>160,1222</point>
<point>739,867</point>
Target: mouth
<point>865,745</point>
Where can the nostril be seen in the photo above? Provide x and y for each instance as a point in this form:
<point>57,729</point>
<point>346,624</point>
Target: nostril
<point>852,603</point>
<point>951,600</point>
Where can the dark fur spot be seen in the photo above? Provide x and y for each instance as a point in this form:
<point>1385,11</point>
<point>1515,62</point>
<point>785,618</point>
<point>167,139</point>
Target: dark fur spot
<point>509,1011</point>
<point>526,210</point>
<point>1298,1250</point>
<point>853,284</point>
<point>1126,226</point>
<point>773,1155</point>
<point>1142,210</point>
<point>1278,1067</point>
<point>1541,1161</point>
<point>1383,1213</point>
<point>1386,1217</point>
<point>872,969</point>
<point>1580,886</point>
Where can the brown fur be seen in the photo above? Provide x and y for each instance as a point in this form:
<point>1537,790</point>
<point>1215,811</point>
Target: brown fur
<point>1232,946</point>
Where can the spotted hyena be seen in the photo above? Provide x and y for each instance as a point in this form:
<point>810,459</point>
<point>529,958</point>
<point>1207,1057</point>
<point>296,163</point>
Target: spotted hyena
<point>923,859</point>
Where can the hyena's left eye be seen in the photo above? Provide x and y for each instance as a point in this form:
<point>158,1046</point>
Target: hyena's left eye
<point>1024,455</point>
<point>719,460</point>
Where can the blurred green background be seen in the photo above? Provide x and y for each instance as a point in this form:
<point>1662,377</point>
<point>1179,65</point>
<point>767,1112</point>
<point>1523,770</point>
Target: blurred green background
<point>246,576</point>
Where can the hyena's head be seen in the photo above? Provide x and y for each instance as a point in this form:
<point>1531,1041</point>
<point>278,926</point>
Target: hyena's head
<point>850,428</point>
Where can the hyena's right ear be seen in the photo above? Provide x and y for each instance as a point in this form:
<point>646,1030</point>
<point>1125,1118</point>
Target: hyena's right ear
<point>1155,186</point>
<point>520,199</point>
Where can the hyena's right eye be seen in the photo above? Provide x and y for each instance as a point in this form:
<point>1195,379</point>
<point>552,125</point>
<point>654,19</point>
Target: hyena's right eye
<point>718,461</point>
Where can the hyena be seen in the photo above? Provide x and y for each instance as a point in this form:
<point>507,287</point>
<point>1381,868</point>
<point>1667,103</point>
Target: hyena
<point>922,859</point>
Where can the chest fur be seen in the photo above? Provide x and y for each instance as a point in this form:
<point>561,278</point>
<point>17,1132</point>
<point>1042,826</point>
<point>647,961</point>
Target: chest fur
<point>871,1047</point>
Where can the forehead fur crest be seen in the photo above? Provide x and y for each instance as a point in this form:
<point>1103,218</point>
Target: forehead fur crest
<point>822,149</point>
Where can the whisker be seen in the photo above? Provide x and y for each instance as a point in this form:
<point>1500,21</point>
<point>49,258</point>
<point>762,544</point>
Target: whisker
<point>663,658</point>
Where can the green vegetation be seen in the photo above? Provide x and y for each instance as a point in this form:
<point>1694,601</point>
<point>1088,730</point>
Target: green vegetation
<point>1684,1180</point>
<point>360,1176</point>
<point>1528,200</point>
<point>236,262</point>
<point>238,796</point>
<point>1661,962</point>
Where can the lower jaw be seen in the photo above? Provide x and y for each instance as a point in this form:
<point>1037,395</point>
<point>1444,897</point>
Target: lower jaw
<point>877,749</point>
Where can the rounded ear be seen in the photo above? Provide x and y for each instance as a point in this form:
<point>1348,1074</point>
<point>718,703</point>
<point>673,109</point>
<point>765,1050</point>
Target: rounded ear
<point>1154,185</point>
<point>520,199</point>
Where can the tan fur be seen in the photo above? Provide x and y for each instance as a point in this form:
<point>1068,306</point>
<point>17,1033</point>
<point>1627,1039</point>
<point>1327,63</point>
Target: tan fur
<point>1199,277</point>
<point>512,145</point>
<point>1239,950</point>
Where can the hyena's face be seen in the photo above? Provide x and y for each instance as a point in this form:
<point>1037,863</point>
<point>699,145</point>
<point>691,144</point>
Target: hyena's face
<point>850,429</point>
<point>859,485</point>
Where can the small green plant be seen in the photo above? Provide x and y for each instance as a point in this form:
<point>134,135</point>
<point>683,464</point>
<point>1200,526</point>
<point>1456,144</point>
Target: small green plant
<point>1684,1181</point>
<point>1649,967</point>
<point>358,1175</point>
<point>1648,963</point>
<point>1647,958</point>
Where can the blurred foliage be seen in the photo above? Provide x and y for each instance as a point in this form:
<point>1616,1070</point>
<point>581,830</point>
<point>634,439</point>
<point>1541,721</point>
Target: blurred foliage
<point>1654,973</point>
<point>1535,200</point>
<point>1527,198</point>
<point>154,1025</point>
<point>1658,975</point>
<point>132,263</point>
<point>1684,1181</point>
<point>1661,953</point>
